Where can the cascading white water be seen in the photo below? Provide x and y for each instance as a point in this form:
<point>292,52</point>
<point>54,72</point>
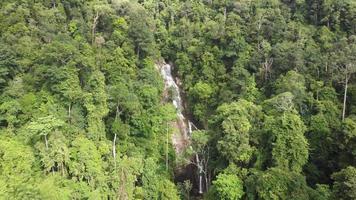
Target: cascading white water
<point>186,126</point>
<point>166,72</point>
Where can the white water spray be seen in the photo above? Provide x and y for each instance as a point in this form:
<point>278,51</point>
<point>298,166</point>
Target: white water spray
<point>186,126</point>
<point>166,72</point>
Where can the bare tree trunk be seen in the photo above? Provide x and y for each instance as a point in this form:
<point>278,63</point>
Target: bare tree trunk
<point>46,141</point>
<point>114,149</point>
<point>267,67</point>
<point>345,97</point>
<point>206,171</point>
<point>200,171</point>
<point>117,112</point>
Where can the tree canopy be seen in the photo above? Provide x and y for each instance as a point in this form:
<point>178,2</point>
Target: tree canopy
<point>268,92</point>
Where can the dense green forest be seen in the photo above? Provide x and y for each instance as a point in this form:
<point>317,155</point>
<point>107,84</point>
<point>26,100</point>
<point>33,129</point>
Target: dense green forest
<point>270,85</point>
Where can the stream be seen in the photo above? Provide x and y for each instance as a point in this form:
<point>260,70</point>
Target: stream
<point>181,139</point>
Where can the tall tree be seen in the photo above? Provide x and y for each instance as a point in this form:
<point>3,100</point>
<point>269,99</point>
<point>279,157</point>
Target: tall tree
<point>286,130</point>
<point>344,63</point>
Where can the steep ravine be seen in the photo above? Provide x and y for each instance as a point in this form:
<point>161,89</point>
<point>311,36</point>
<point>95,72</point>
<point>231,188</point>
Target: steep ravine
<point>180,140</point>
<point>183,129</point>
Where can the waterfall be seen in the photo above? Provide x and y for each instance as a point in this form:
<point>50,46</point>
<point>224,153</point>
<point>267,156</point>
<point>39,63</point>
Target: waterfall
<point>185,125</point>
<point>166,72</point>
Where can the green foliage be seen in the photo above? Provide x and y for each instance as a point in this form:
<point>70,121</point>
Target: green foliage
<point>279,104</point>
<point>235,143</point>
<point>276,184</point>
<point>96,105</point>
<point>185,189</point>
<point>45,125</point>
<point>124,176</point>
<point>157,187</point>
<point>289,147</point>
<point>294,83</point>
<point>55,155</point>
<point>270,86</point>
<point>54,187</point>
<point>228,186</point>
<point>321,192</point>
<point>85,163</point>
<point>344,186</point>
<point>17,170</point>
<point>236,126</point>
